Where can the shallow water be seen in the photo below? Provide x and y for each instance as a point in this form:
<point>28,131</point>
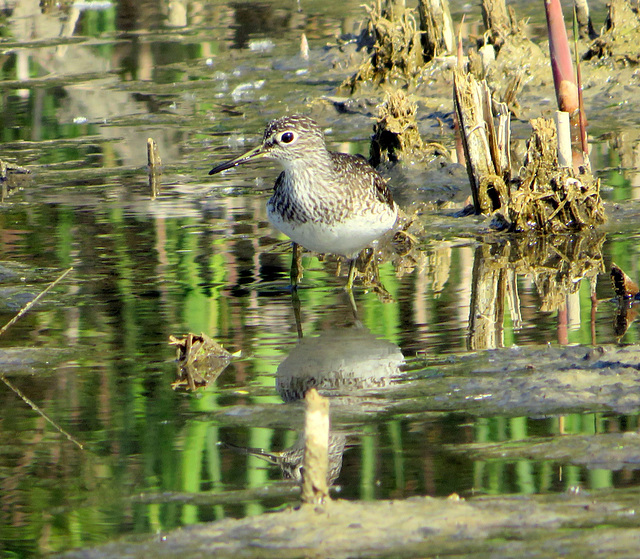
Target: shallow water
<point>407,378</point>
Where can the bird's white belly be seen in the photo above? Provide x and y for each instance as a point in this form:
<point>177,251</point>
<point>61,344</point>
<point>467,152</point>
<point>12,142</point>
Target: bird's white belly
<point>345,238</point>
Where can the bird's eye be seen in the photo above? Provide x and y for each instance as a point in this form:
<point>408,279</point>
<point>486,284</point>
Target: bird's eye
<point>287,137</point>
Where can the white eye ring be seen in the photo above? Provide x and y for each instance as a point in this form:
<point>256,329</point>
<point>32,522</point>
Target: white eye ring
<point>287,137</point>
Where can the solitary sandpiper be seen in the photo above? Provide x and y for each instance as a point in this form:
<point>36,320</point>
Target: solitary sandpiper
<point>325,201</point>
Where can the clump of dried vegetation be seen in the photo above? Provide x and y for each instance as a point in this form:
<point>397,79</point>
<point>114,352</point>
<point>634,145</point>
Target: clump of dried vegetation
<point>548,197</point>
<point>398,45</point>
<point>546,193</point>
<point>395,134</point>
<point>620,39</point>
<point>396,51</point>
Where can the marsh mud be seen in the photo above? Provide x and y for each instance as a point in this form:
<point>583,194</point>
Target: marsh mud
<point>537,526</point>
<point>492,366</point>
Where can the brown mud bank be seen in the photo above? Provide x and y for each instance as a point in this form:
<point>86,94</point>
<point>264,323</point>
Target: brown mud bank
<point>536,526</point>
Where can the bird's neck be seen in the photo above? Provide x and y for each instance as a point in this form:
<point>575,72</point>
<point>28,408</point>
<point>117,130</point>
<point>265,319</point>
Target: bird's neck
<point>300,173</point>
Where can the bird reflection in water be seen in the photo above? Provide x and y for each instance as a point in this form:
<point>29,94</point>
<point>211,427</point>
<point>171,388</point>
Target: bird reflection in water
<point>340,363</point>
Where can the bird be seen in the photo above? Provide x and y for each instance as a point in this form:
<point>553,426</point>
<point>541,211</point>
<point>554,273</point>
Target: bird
<point>324,201</point>
<point>291,460</point>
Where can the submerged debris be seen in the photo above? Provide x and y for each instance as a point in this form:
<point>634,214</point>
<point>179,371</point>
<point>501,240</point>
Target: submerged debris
<point>627,294</point>
<point>623,286</point>
<point>11,178</point>
<point>200,361</point>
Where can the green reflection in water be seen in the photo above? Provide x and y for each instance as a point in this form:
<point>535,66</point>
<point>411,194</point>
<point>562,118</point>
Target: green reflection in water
<point>368,451</point>
<point>395,434</point>
<point>193,454</point>
<point>382,318</point>
<point>529,476</point>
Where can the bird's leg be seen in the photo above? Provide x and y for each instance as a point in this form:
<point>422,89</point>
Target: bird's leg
<point>295,303</point>
<point>349,288</point>
<point>364,255</point>
<point>296,265</point>
<point>352,275</point>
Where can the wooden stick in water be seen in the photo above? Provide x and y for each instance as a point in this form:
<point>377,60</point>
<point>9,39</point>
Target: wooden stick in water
<point>316,449</point>
<point>155,167</point>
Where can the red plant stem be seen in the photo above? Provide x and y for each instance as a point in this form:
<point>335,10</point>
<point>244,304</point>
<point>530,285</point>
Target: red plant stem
<point>561,65</point>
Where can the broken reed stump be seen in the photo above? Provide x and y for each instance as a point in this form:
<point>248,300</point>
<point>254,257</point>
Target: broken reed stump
<point>315,489</point>
<point>546,196</point>
<point>485,142</point>
<point>155,167</point>
<point>498,22</point>
<point>563,131</point>
<point>436,28</point>
<point>583,19</point>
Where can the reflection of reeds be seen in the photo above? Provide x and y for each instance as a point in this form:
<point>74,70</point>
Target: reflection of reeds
<point>500,441</point>
<point>555,263</point>
<point>24,310</point>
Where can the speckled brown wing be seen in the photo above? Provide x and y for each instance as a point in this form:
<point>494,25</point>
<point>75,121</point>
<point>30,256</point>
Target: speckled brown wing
<point>380,188</point>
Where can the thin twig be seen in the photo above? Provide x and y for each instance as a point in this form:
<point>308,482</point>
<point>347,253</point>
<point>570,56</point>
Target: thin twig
<point>35,408</point>
<point>33,301</point>
<point>15,389</point>
<point>582,122</point>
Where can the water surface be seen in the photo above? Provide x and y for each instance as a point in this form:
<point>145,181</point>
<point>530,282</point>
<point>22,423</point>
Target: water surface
<point>81,90</point>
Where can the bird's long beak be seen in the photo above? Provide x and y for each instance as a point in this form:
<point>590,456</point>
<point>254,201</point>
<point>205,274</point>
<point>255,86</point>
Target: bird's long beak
<point>256,152</point>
